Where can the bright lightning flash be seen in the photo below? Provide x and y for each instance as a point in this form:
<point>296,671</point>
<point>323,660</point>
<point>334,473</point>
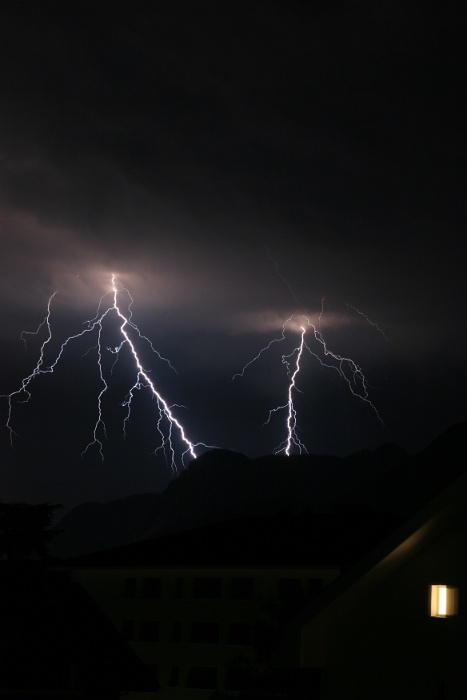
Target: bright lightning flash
<point>347,369</point>
<point>166,423</point>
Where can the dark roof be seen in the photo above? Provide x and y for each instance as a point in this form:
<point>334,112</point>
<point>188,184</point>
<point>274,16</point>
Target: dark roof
<point>52,629</point>
<point>446,510</point>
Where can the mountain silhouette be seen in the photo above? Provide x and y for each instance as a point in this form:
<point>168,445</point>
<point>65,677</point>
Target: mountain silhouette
<point>222,485</point>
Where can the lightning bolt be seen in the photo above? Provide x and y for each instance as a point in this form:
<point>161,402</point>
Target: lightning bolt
<point>166,424</point>
<point>348,370</point>
<point>291,422</point>
<point>263,350</point>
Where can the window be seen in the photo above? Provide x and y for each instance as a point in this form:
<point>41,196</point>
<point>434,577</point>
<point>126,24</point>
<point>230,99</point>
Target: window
<point>149,631</point>
<point>129,588</point>
<point>240,633</point>
<point>241,588</point>
<point>290,588</point>
<point>128,630</point>
<point>290,594</point>
<point>204,633</point>
<point>443,601</point>
<point>237,678</point>
<point>152,587</point>
<point>207,587</point>
<point>178,587</point>
<point>176,632</point>
<point>204,677</point>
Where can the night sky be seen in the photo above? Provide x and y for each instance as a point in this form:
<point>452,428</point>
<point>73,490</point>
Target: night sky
<point>232,163</point>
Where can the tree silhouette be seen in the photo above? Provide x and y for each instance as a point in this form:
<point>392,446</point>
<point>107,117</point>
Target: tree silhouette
<point>25,530</point>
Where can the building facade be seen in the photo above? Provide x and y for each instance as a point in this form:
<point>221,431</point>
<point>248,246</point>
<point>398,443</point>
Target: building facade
<point>387,628</point>
<point>203,628</point>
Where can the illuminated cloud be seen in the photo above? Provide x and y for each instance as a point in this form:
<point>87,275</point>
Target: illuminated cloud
<point>176,149</point>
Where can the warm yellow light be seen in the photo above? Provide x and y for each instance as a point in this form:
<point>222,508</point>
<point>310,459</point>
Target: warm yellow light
<point>443,600</point>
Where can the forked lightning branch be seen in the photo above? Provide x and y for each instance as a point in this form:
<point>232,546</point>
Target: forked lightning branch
<point>171,432</point>
<point>115,309</point>
<point>348,370</point>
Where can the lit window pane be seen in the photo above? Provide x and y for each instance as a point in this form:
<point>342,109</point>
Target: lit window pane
<point>443,600</point>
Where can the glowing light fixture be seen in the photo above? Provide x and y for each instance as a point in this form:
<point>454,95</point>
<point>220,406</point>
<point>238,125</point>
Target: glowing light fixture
<point>443,601</point>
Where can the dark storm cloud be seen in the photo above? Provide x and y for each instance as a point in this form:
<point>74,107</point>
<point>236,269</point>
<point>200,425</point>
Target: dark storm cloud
<point>205,104</point>
<point>234,163</point>
<point>187,125</point>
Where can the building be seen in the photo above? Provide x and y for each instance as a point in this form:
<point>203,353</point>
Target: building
<point>55,642</point>
<point>208,607</point>
<point>395,625</point>
<point>339,605</point>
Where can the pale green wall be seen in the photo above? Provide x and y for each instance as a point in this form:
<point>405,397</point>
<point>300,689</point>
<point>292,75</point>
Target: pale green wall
<point>106,587</point>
